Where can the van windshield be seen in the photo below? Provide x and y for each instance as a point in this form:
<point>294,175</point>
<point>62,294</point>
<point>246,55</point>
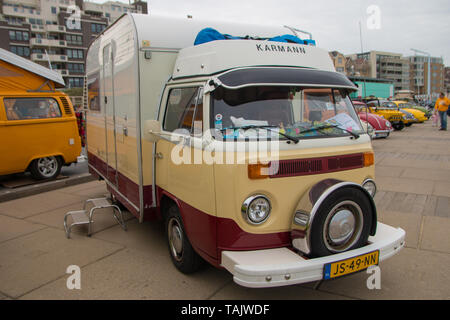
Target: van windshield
<point>274,111</point>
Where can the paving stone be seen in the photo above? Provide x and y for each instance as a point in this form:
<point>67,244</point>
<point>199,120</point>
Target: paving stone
<point>11,228</point>
<point>435,234</point>
<point>442,188</point>
<point>296,292</point>
<point>132,274</point>
<point>405,185</point>
<point>409,222</point>
<point>428,174</point>
<point>386,171</point>
<point>430,205</point>
<point>33,260</point>
<point>29,206</point>
<point>443,207</point>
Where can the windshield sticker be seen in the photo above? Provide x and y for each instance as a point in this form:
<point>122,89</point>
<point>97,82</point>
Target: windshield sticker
<point>344,121</point>
<point>218,121</point>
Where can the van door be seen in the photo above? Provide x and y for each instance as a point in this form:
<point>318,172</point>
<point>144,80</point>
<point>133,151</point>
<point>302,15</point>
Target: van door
<point>180,169</point>
<point>110,127</point>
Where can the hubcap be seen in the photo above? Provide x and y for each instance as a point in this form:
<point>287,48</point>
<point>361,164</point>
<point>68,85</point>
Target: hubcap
<point>175,239</point>
<point>47,166</point>
<point>343,226</point>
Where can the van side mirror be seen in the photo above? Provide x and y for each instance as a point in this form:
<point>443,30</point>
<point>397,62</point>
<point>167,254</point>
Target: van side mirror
<point>152,130</point>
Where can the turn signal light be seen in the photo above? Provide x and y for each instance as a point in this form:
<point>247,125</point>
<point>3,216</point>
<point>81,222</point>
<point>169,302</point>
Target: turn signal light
<point>258,171</point>
<point>369,159</point>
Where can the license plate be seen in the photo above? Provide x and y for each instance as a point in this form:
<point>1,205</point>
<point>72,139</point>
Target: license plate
<point>351,265</point>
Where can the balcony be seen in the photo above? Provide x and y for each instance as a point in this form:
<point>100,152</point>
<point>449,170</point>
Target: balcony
<point>37,28</point>
<point>63,72</point>
<point>52,57</point>
<point>36,42</point>
<point>21,12</point>
<point>93,7</point>
<point>55,28</point>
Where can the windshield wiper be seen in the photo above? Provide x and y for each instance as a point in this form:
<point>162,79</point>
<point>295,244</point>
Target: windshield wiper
<point>355,135</point>
<point>266,127</point>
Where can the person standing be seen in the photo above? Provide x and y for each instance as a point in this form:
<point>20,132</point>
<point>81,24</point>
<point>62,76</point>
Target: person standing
<point>441,106</point>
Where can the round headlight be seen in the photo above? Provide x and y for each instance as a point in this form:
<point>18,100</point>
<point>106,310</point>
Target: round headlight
<point>388,124</point>
<point>370,186</point>
<point>256,209</point>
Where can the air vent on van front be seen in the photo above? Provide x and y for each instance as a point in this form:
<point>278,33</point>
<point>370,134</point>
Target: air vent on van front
<point>303,167</point>
<point>66,106</point>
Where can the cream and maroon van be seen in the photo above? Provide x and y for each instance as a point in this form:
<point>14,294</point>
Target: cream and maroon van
<point>249,150</point>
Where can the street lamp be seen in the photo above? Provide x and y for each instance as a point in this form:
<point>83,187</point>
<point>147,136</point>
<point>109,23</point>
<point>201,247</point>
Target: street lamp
<point>429,69</point>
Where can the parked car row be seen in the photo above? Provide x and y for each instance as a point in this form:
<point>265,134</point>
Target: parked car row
<point>384,116</point>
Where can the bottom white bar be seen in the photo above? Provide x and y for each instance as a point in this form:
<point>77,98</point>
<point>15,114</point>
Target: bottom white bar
<point>281,266</point>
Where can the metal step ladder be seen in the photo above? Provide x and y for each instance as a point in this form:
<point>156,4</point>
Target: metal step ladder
<point>84,216</point>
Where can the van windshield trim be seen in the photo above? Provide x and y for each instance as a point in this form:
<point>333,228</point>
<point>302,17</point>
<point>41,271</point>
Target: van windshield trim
<point>283,76</point>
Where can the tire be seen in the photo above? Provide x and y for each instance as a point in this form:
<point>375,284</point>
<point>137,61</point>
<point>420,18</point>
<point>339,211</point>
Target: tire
<point>181,252</point>
<point>408,124</point>
<point>398,126</point>
<point>46,168</point>
<point>331,230</point>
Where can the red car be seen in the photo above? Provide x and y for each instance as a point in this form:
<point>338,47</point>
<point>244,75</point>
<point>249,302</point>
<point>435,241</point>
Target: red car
<point>381,126</point>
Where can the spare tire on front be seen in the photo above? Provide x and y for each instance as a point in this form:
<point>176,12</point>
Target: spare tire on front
<point>342,222</point>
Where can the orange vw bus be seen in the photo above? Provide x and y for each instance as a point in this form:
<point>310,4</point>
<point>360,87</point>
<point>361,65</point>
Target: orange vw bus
<point>38,127</point>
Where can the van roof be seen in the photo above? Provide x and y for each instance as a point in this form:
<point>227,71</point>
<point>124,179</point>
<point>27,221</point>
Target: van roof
<point>32,67</point>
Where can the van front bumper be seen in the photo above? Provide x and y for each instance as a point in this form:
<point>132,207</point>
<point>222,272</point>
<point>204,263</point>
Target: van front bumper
<point>281,266</point>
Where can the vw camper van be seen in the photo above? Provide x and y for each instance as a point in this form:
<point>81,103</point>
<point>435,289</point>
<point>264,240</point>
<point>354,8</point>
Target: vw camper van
<point>249,149</point>
<point>38,127</point>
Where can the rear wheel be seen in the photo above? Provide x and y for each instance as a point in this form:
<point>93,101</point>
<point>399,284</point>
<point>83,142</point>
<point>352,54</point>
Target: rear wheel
<point>46,168</point>
<point>342,223</point>
<point>181,252</point>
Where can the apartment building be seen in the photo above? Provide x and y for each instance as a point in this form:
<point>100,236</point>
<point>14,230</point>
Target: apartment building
<point>387,65</point>
<point>57,33</point>
<point>339,61</point>
<point>358,68</point>
<point>447,80</point>
<point>419,75</point>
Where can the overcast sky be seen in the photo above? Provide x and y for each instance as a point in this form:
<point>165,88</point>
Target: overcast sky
<point>402,24</point>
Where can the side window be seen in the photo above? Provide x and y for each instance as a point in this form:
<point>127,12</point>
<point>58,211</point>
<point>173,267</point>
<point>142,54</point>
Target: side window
<point>184,109</point>
<point>31,108</point>
<point>93,93</point>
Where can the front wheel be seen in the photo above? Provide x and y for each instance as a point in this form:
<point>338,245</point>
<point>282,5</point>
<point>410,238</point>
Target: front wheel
<point>46,168</point>
<point>181,252</point>
<point>398,126</point>
<point>343,223</point>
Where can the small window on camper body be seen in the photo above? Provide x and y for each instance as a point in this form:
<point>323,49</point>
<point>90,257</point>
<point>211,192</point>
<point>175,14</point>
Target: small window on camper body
<point>31,108</point>
<point>184,110</point>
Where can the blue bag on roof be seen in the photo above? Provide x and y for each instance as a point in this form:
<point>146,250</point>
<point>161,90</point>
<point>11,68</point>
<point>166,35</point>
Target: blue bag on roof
<point>210,34</point>
<point>292,39</point>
